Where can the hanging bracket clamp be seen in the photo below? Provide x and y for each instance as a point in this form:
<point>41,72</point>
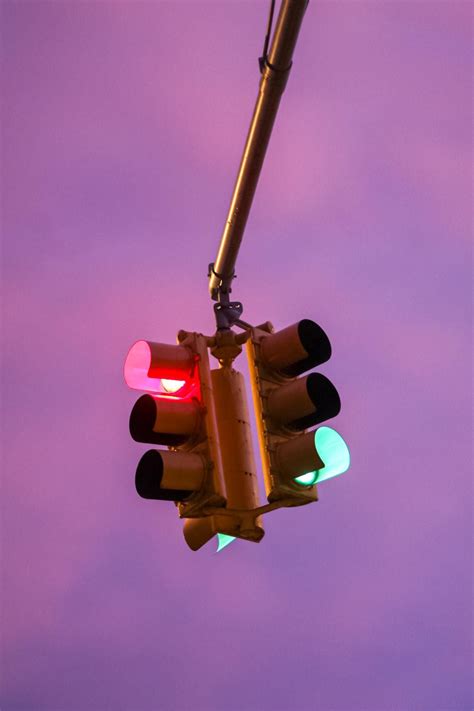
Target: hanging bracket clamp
<point>227,312</point>
<point>224,283</point>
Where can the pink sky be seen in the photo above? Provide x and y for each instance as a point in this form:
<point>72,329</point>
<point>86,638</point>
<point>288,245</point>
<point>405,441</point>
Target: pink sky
<point>123,125</point>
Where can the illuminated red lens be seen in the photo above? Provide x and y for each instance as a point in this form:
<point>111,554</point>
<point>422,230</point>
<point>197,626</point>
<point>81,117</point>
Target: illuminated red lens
<point>172,386</point>
<point>160,369</point>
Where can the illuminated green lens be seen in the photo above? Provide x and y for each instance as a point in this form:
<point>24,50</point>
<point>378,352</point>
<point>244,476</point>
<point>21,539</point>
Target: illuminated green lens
<point>307,479</point>
<point>333,451</point>
<point>223,540</point>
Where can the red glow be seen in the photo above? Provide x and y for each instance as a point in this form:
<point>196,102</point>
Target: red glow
<point>136,373</point>
<point>137,365</point>
<point>165,396</point>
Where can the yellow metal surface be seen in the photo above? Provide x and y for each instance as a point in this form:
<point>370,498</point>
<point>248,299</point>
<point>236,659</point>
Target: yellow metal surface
<point>167,360</point>
<point>264,381</point>
<point>210,412</point>
<point>182,470</point>
<point>198,531</point>
<point>213,490</point>
<point>239,469</point>
<point>176,417</point>
<point>252,357</point>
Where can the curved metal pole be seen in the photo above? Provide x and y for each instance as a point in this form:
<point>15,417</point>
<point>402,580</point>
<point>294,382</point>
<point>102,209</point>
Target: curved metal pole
<point>272,84</point>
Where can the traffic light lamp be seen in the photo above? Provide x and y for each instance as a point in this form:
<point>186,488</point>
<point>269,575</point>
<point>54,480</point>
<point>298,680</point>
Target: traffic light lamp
<point>286,405</point>
<point>198,422</point>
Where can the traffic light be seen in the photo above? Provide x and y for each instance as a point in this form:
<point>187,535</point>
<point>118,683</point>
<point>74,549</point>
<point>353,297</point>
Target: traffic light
<point>177,411</point>
<point>286,405</point>
<point>199,420</point>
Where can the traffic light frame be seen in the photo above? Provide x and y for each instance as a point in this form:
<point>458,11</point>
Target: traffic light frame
<point>201,416</point>
<point>189,472</point>
<point>286,405</point>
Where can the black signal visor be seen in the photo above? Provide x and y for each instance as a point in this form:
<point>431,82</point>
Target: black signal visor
<point>152,420</point>
<point>149,476</point>
<point>316,344</point>
<point>295,349</point>
<point>303,402</point>
<point>325,399</point>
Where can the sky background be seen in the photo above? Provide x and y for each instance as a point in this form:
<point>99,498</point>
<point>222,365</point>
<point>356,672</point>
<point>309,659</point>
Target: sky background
<point>123,126</point>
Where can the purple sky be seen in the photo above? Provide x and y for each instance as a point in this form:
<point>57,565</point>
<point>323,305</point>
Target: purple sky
<point>123,127</point>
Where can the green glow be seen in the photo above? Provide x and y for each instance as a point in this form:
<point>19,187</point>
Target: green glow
<point>333,451</point>
<point>223,540</point>
<point>307,479</point>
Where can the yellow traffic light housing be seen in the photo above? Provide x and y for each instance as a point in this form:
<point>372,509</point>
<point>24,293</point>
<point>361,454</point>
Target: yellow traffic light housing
<point>201,416</point>
<point>286,405</point>
<point>180,416</point>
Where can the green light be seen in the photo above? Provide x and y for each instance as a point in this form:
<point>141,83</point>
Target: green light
<point>333,451</point>
<point>307,479</point>
<point>223,540</point>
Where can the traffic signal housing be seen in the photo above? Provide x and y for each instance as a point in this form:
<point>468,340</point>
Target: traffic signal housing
<point>177,411</point>
<point>287,402</point>
<point>198,422</point>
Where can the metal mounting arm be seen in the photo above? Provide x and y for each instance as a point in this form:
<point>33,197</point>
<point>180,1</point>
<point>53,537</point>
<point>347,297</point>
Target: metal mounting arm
<point>276,69</point>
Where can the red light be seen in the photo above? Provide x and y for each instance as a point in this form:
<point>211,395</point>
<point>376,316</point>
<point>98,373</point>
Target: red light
<point>138,365</point>
<point>172,386</point>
